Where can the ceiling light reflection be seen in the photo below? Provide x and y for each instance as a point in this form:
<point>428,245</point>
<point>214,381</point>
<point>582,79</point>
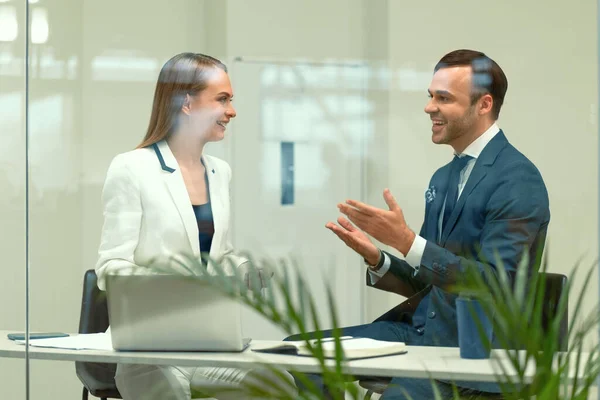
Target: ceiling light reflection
<point>39,26</point>
<point>8,23</point>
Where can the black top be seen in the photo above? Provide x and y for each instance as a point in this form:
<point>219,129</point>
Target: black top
<point>204,218</point>
<point>206,226</point>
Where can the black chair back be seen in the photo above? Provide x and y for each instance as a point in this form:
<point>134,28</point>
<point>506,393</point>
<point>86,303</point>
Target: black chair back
<point>554,290</point>
<point>97,378</point>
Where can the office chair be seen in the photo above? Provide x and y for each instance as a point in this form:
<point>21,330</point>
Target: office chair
<point>98,379</point>
<point>555,284</point>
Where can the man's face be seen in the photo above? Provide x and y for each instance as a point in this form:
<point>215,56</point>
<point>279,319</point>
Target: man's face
<point>452,115</point>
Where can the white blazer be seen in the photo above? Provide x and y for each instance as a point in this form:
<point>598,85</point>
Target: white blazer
<point>148,213</point>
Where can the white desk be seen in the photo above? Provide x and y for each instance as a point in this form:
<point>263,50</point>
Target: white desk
<point>419,362</point>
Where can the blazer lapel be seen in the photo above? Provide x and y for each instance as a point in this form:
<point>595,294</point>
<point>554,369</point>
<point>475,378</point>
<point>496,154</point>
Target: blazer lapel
<point>216,202</point>
<point>476,176</point>
<point>174,182</point>
<point>484,161</point>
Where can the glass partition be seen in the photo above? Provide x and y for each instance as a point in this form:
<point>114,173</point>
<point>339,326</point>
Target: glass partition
<point>330,101</point>
<point>13,93</point>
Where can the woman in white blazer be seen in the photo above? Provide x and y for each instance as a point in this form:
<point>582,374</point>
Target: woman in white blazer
<point>167,197</point>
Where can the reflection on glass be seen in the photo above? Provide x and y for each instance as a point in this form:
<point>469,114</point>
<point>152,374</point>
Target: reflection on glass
<point>39,25</point>
<point>8,23</point>
<point>10,160</point>
<point>125,66</point>
<point>318,107</point>
<point>311,118</point>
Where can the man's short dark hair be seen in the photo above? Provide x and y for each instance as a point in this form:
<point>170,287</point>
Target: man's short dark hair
<point>488,77</point>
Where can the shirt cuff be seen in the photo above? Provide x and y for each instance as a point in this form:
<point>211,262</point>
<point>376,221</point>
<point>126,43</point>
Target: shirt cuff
<point>415,254</point>
<point>374,276</point>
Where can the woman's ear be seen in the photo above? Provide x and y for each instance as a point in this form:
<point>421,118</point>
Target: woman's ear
<point>187,105</point>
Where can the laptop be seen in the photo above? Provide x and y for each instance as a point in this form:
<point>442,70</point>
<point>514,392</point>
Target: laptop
<point>172,313</point>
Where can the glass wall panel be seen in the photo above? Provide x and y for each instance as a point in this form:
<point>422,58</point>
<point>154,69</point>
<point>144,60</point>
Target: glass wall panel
<point>330,100</point>
<point>13,188</point>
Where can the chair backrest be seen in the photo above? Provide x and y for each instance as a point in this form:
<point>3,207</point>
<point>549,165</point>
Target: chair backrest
<point>98,378</point>
<point>554,290</point>
<point>94,310</point>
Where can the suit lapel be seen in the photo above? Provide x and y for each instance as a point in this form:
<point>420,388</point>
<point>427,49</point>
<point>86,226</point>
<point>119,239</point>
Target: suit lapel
<point>216,201</point>
<point>440,183</point>
<point>485,160</point>
<point>174,182</point>
<point>476,176</point>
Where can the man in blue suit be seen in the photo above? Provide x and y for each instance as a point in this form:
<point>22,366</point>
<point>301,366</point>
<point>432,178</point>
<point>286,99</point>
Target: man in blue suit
<point>488,204</point>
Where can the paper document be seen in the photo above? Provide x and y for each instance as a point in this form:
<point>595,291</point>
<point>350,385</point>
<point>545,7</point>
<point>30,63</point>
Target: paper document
<point>89,341</point>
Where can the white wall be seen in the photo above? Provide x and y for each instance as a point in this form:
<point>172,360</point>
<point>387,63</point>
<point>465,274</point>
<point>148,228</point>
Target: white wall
<point>94,102</point>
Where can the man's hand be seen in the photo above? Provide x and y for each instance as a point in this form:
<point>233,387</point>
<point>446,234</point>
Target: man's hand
<point>355,239</point>
<point>387,226</point>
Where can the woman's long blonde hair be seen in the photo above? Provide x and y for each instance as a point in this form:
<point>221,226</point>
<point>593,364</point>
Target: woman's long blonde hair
<point>184,74</point>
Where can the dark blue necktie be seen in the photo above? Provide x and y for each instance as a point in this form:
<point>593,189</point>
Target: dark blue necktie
<point>456,166</point>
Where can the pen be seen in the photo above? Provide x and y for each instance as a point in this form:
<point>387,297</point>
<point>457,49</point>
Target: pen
<point>332,339</point>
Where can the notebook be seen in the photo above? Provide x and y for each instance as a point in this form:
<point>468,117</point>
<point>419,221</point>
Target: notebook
<point>354,348</point>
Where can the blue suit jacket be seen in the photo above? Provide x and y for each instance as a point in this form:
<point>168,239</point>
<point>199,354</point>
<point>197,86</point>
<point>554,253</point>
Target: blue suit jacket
<point>502,211</point>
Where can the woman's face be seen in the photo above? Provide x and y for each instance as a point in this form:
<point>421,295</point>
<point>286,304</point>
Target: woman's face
<point>211,110</point>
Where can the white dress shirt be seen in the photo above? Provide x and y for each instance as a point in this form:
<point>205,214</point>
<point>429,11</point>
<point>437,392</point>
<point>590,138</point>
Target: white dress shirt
<point>415,254</point>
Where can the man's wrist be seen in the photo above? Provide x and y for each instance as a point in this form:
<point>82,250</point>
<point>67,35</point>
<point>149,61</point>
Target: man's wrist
<point>407,242</point>
<point>378,264</point>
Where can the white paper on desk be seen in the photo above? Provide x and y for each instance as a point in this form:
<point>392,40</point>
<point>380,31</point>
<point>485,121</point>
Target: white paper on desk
<point>89,341</point>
